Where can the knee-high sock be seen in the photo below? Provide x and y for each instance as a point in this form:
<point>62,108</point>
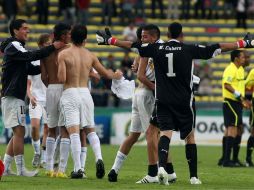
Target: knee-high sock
<point>236,146</point>
<point>250,147</point>
<point>50,149</point>
<point>64,153</point>
<point>120,157</point>
<point>95,144</point>
<point>36,146</point>
<point>191,156</point>
<point>229,146</point>
<point>163,149</point>
<point>223,147</point>
<point>83,157</point>
<point>76,150</point>
<point>20,163</point>
<point>169,168</point>
<point>7,162</point>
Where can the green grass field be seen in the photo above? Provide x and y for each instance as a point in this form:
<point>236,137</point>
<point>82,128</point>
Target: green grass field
<point>135,167</point>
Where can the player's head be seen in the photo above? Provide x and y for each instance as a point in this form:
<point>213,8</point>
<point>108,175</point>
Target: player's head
<point>19,29</point>
<point>44,40</point>
<point>238,57</point>
<point>150,33</point>
<point>78,34</point>
<point>247,58</point>
<point>175,31</point>
<point>62,32</point>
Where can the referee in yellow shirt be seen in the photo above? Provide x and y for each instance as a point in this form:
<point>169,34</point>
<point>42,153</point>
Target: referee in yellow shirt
<point>233,90</point>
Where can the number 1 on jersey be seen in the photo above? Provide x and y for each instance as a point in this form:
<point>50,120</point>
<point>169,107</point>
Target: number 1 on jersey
<point>170,65</point>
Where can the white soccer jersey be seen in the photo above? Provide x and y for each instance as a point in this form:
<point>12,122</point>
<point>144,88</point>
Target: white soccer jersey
<point>38,89</point>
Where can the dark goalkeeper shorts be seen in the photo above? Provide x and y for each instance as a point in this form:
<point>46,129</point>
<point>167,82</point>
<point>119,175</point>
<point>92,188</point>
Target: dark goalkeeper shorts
<point>177,118</point>
<point>232,112</point>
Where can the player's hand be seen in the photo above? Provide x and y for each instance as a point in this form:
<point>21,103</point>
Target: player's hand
<point>118,74</point>
<point>33,102</point>
<point>105,37</point>
<point>248,39</point>
<point>246,104</point>
<point>58,44</point>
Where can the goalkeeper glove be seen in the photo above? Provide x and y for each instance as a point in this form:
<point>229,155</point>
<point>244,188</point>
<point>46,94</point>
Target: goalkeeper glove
<point>105,38</point>
<point>247,41</point>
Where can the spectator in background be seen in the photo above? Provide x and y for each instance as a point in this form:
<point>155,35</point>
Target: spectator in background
<point>107,12</point>
<point>212,7</point>
<point>153,7</point>
<point>10,9</point>
<point>185,9</point>
<point>241,7</point>
<point>173,9</point>
<point>126,11</point>
<point>129,32</point>
<point>139,8</point>
<point>82,10</point>
<point>199,6</point>
<point>228,9</point>
<point>126,66</point>
<point>251,10</point>
<point>67,10</point>
<point>42,7</point>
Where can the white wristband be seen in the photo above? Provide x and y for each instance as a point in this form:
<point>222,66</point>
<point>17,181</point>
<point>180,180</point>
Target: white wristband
<point>237,94</point>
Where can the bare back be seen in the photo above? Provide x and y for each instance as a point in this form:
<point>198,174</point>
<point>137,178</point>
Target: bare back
<point>78,64</point>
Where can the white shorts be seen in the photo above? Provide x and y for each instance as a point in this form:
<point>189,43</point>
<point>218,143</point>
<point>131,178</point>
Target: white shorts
<point>142,108</point>
<point>70,106</point>
<point>38,112</point>
<point>53,95</point>
<point>87,112</point>
<point>13,112</point>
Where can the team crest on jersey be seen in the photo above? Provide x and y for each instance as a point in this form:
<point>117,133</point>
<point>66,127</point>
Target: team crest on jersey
<point>161,47</point>
<point>144,45</point>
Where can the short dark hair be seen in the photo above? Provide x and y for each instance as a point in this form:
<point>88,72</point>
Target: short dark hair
<point>152,29</point>
<point>139,32</point>
<point>175,30</point>
<point>234,54</point>
<point>61,29</point>
<point>78,34</point>
<point>15,25</point>
<point>43,39</point>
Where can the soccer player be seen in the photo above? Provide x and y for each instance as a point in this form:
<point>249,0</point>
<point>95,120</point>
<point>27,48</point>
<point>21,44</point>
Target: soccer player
<point>36,91</point>
<point>173,63</point>
<point>16,67</point>
<point>233,89</point>
<point>250,143</point>
<point>74,65</point>
<point>53,94</point>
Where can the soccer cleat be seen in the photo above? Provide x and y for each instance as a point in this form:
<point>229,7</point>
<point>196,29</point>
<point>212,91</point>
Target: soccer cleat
<point>61,175</point>
<point>238,163</point>
<point>162,176</point>
<point>249,163</point>
<point>220,162</point>
<point>195,181</point>
<point>172,177</point>
<point>229,164</point>
<point>36,161</point>
<point>112,176</point>
<point>77,175</point>
<point>148,179</point>
<point>27,173</point>
<point>43,165</point>
<point>100,171</point>
<point>56,167</point>
<point>9,172</point>
<point>50,173</point>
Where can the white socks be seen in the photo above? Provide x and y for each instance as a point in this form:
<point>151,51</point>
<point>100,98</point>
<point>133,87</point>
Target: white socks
<point>20,163</point>
<point>95,144</point>
<point>36,145</point>
<point>50,149</point>
<point>76,150</point>
<point>83,157</point>
<point>64,153</point>
<point>57,150</point>
<point>120,157</point>
<point>7,162</point>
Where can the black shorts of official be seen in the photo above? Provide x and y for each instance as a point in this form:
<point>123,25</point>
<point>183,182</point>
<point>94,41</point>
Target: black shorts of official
<point>177,118</point>
<point>153,118</point>
<point>252,114</point>
<point>232,112</point>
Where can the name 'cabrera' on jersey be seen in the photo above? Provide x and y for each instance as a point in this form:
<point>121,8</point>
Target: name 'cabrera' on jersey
<point>173,63</point>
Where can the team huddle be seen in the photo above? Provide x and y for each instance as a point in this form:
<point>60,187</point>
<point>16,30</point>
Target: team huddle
<point>56,77</point>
